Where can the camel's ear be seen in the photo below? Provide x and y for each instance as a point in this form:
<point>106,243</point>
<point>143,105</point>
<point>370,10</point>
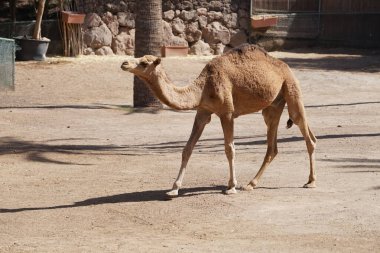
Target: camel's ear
<point>157,61</point>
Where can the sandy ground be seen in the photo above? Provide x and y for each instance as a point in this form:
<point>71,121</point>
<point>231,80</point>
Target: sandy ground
<point>82,171</point>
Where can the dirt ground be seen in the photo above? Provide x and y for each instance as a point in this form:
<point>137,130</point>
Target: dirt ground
<point>82,171</point>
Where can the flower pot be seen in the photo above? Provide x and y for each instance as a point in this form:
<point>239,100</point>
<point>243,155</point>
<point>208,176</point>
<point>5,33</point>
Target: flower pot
<point>167,51</point>
<point>31,49</point>
<point>72,17</point>
<point>263,21</point>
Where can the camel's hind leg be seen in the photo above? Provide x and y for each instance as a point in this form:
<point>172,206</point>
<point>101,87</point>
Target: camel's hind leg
<point>201,119</point>
<point>298,115</point>
<point>272,117</point>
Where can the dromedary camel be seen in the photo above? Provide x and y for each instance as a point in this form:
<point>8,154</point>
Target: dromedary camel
<point>242,81</point>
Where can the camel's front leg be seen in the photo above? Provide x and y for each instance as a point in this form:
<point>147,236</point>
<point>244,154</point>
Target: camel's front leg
<point>228,130</point>
<point>201,119</point>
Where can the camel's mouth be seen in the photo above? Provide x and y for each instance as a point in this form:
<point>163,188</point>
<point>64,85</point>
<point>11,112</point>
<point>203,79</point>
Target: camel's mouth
<point>129,65</point>
<point>126,66</point>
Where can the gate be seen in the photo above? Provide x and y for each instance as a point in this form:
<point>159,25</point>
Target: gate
<point>7,63</point>
<point>345,22</point>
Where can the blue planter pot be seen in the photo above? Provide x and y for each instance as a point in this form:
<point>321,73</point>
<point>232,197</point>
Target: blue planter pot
<point>30,49</point>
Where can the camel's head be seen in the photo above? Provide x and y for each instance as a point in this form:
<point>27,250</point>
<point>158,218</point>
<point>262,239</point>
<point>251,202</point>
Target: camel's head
<point>143,66</point>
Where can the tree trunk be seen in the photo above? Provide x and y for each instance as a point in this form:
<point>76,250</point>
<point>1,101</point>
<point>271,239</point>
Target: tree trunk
<point>13,10</point>
<point>39,14</point>
<point>13,15</point>
<point>148,41</point>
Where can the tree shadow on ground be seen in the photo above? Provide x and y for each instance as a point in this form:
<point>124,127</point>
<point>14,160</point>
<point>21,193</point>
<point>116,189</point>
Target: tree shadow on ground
<point>37,152</point>
<point>130,109</point>
<point>131,197</point>
<point>319,137</point>
<point>366,165</point>
<point>339,105</point>
<point>127,108</point>
<point>52,107</point>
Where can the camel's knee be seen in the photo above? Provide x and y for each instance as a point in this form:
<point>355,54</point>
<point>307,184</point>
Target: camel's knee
<point>314,139</point>
<point>311,141</point>
<point>229,149</point>
<point>271,154</point>
<point>311,145</point>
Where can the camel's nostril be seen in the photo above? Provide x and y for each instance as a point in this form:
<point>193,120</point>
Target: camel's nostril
<point>124,65</point>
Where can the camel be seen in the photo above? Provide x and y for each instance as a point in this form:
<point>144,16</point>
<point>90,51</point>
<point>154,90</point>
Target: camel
<point>242,81</point>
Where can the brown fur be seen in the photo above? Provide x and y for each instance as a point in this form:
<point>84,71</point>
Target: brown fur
<point>242,81</point>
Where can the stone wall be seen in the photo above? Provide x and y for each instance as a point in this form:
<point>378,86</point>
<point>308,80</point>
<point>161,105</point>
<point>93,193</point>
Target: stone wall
<point>206,27</point>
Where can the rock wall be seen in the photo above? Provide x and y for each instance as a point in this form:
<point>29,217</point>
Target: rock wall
<point>206,27</point>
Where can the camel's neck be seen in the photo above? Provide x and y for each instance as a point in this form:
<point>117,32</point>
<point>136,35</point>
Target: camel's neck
<point>180,98</point>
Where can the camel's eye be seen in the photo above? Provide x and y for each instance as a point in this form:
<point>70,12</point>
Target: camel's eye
<point>144,63</point>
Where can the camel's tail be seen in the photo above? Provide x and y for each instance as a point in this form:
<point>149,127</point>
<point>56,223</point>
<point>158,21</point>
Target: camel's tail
<point>289,124</point>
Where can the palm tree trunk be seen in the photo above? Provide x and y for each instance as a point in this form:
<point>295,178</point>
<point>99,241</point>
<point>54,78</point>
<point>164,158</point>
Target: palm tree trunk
<point>13,15</point>
<point>148,41</point>
<point>37,26</point>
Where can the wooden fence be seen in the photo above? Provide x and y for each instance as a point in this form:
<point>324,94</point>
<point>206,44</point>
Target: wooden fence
<point>345,22</point>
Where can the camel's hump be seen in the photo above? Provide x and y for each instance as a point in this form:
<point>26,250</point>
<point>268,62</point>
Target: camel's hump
<point>246,49</point>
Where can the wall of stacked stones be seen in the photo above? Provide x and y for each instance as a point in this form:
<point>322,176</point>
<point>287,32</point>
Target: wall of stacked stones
<point>206,27</point>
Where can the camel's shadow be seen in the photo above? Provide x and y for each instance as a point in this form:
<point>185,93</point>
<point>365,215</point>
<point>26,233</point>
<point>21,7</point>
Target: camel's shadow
<point>131,197</point>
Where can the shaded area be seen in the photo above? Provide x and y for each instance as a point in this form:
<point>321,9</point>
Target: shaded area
<point>362,63</point>
<point>84,107</point>
<point>130,109</point>
<point>353,160</point>
<point>319,137</point>
<point>361,171</point>
<point>40,157</point>
<point>37,152</point>
<point>348,104</point>
<point>368,165</point>
<point>131,197</point>
<point>152,110</point>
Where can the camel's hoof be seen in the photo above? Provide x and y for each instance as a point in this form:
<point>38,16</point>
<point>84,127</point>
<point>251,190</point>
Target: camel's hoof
<point>230,191</point>
<point>310,185</point>
<point>248,187</point>
<point>172,194</point>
